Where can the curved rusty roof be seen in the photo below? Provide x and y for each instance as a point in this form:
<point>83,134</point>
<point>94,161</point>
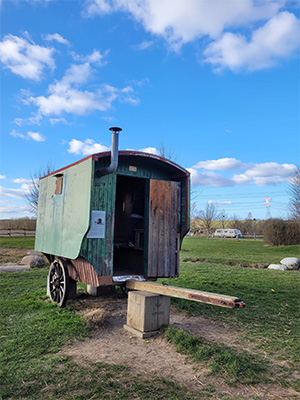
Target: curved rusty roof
<point>127,153</point>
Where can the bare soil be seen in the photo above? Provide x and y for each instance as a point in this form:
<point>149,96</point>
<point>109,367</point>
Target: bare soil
<point>111,343</point>
<point>9,255</point>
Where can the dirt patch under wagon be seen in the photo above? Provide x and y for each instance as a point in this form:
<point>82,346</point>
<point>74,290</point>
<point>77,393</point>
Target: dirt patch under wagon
<point>111,344</point>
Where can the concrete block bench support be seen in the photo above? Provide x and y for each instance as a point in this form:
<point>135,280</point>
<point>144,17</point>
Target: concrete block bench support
<point>146,313</point>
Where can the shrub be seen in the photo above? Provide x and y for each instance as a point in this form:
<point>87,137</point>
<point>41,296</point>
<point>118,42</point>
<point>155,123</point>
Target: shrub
<point>278,232</point>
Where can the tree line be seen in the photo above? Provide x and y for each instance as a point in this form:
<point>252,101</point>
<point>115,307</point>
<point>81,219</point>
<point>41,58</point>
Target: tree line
<point>18,223</point>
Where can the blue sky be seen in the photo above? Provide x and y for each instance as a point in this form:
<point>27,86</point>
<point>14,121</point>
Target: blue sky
<point>215,82</point>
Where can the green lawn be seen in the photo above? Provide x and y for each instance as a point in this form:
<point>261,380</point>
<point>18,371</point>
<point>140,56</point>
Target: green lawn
<point>32,330</point>
<point>235,251</point>
<point>271,316</point>
<point>17,242</point>
<point>271,319</point>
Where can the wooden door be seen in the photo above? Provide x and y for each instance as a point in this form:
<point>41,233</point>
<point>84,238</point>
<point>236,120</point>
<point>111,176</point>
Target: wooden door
<point>164,229</point>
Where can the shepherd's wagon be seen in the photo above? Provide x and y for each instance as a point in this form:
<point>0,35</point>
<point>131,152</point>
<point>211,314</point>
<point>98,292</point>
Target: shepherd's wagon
<point>112,217</point>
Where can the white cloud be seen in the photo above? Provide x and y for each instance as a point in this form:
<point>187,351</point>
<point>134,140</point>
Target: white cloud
<point>219,202</point>
<point>2,177</point>
<point>25,59</point>
<point>36,136</point>
<point>266,174</point>
<point>144,45</point>
<point>97,7</point>
<point>34,120</point>
<point>108,118</point>
<point>263,174</point>
<point>140,82</point>
<point>17,134</point>
<point>208,178</point>
<point>54,121</point>
<point>65,95</point>
<point>241,179</point>
<point>8,193</point>
<point>77,73</point>
<point>268,180</point>
<point>57,37</point>
<point>65,99</point>
<point>222,164</point>
<point>89,146</point>
<point>278,38</point>
<point>94,58</point>
<point>21,180</point>
<point>151,150</point>
<point>16,209</point>
<point>184,21</point>
<point>271,169</point>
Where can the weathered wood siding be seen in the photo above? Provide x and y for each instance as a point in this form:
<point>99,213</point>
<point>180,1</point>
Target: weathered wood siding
<point>63,215</point>
<point>82,271</point>
<point>164,228</point>
<point>99,252</point>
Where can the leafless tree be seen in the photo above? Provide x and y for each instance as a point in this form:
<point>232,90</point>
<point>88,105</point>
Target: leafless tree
<point>235,222</point>
<point>166,151</point>
<point>248,225</point>
<point>32,195</point>
<point>207,216</point>
<point>223,218</point>
<point>294,191</point>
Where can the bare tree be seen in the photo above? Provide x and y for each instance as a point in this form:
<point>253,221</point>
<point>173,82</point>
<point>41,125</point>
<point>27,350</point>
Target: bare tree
<point>294,190</point>
<point>32,195</point>
<point>166,152</point>
<point>235,222</point>
<point>207,216</point>
<point>248,225</point>
<point>223,218</point>
<point>195,222</point>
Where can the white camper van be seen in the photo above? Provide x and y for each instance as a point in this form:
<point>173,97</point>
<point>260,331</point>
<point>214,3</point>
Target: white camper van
<point>227,233</point>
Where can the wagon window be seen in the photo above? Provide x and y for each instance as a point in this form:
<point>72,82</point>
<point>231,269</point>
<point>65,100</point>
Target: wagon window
<point>59,185</point>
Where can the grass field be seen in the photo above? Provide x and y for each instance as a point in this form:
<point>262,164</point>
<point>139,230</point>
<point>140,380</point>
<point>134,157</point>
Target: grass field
<point>21,242</point>
<point>32,330</point>
<point>232,251</point>
<point>271,316</point>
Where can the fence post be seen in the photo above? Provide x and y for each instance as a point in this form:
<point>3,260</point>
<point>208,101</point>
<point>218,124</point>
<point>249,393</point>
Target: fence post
<point>9,231</point>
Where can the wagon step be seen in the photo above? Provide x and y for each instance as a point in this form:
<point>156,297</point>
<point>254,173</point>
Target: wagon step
<point>124,278</point>
<point>216,299</point>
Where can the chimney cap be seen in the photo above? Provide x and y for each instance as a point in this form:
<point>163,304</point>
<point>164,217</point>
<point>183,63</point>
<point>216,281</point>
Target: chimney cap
<point>115,129</point>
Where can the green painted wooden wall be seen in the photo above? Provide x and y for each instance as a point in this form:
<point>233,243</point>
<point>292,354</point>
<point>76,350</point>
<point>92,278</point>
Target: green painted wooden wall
<point>63,219</point>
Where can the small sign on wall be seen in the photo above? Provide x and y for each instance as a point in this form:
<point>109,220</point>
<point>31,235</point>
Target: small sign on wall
<point>97,229</point>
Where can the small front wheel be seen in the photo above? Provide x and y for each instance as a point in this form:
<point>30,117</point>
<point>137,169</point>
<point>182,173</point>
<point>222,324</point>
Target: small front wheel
<point>58,283</point>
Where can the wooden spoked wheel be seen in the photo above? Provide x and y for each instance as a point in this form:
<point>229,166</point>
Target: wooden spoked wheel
<point>58,283</point>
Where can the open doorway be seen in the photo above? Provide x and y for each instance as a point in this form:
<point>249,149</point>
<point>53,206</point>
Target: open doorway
<point>129,226</point>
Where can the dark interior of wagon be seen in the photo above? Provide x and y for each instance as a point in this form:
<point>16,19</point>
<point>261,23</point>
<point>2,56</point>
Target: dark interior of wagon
<point>129,226</point>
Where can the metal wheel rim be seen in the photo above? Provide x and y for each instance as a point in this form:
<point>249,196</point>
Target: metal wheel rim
<point>58,283</point>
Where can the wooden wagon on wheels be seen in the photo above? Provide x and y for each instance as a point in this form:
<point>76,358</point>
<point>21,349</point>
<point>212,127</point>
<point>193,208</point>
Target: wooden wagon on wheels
<point>112,217</point>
